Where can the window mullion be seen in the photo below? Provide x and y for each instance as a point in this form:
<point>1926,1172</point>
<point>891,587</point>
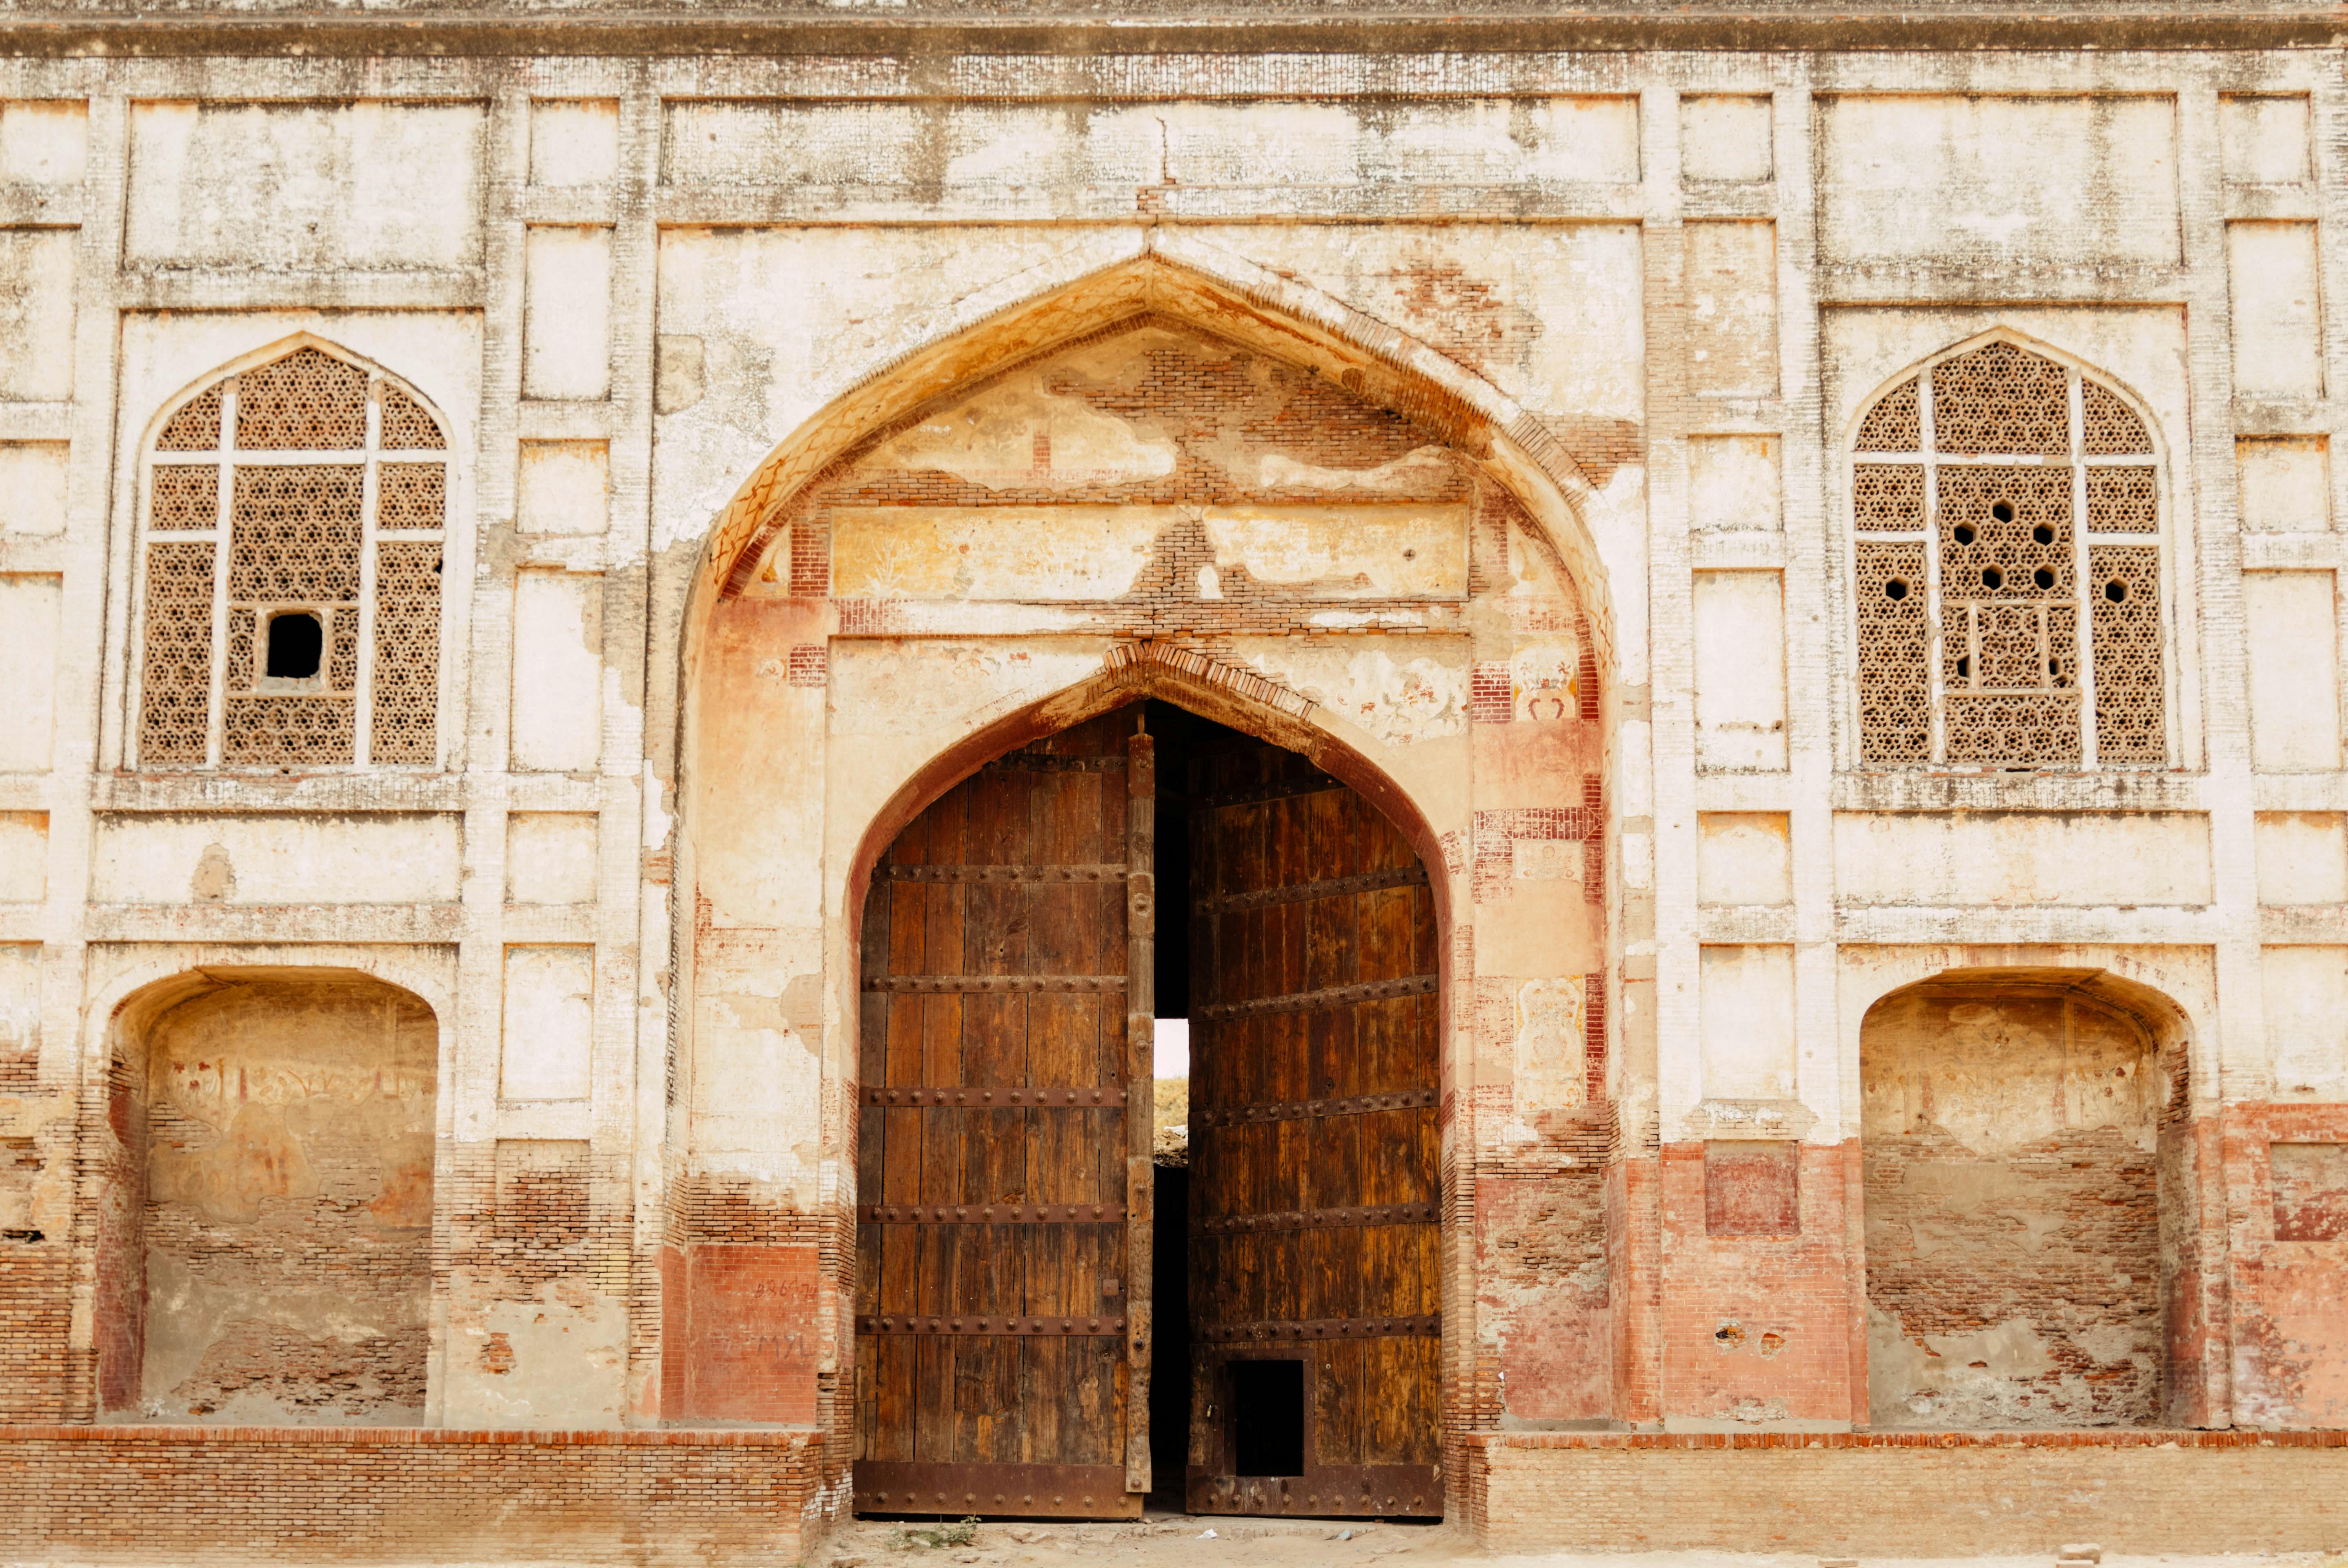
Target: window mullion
<point>224,541</point>
<point>1934,627</point>
<point>370,490</point>
<point>2082,614</point>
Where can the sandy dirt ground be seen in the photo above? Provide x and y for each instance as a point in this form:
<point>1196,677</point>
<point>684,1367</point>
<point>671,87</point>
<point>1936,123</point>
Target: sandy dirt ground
<point>1173,1540</point>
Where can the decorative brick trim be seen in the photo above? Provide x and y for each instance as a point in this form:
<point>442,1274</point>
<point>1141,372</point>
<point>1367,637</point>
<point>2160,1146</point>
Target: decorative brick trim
<point>1208,670</point>
<point>1491,697</point>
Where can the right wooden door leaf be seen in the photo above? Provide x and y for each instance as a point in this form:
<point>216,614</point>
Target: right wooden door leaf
<point>1314,1223</point>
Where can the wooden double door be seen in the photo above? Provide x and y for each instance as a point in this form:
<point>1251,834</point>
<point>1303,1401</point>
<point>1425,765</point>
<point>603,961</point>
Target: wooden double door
<point>1004,1304</point>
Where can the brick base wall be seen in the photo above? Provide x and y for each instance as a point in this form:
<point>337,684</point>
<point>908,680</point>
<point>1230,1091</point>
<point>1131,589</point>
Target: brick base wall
<point>258,1493</point>
<point>1913,1494</point>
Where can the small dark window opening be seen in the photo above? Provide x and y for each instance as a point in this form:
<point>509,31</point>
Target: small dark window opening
<point>2042,534</point>
<point>1992,578</point>
<point>1964,534</point>
<point>1268,1418</point>
<point>297,642</point>
<point>2002,512</point>
<point>1895,588</point>
<point>2116,590</point>
<point>2044,577</point>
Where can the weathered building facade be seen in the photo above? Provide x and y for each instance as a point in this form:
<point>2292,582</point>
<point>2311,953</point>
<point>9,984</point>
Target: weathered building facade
<point>1705,651</point>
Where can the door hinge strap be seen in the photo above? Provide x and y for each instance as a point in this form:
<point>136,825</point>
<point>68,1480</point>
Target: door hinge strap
<point>1102,872</point>
<point>1285,790</point>
<point>1059,1327</point>
<point>1320,1219</point>
<point>1314,1001</point>
<point>1302,893</point>
<point>990,1214</point>
<point>998,1098</point>
<point>1427,1325</point>
<point>1045,762</point>
<point>1302,1109</point>
<point>994,985</point>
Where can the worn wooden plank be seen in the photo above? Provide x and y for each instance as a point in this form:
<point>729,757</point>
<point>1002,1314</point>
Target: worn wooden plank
<point>1140,1026</point>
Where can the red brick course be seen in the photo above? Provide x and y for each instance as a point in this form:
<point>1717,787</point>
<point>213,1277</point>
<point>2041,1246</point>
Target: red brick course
<point>1936,1494</point>
<point>259,1493</point>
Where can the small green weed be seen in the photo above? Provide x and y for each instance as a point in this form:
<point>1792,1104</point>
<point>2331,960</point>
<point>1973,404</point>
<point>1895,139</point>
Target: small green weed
<point>936,1536</point>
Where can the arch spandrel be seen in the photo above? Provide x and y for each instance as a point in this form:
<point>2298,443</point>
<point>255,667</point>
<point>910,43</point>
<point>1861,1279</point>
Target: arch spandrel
<point>1203,286</point>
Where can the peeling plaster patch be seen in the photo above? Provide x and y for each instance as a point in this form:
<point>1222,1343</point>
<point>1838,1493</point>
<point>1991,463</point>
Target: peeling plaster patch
<point>1402,703</point>
<point>1422,469</point>
<point>215,879</point>
<point>554,1361</point>
<point>1047,553</point>
<point>1018,433</point>
<point>1384,552</point>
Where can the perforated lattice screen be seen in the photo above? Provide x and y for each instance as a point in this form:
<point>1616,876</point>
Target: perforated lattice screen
<point>301,564</point>
<point>1987,614</point>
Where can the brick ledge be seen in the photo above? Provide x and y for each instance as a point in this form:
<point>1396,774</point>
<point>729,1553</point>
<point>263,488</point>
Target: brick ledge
<point>419,1436</point>
<point>2130,1438</point>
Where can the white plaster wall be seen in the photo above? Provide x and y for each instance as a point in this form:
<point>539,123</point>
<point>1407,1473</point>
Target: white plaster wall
<point>276,859</point>
<point>299,187</point>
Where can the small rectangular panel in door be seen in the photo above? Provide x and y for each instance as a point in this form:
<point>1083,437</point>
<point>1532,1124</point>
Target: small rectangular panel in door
<point>1314,1209</point>
<point>994,1290</point>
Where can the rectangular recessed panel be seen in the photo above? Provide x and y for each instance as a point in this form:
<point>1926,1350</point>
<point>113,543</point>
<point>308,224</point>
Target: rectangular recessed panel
<point>1981,179</point>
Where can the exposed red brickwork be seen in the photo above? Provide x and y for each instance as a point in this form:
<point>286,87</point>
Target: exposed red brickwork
<point>1492,698</point>
<point>2310,1190</point>
<point>810,570</point>
<point>1593,1036</point>
<point>1756,1328</point>
<point>293,1494</point>
<point>809,664</point>
<point>1634,1251</point>
<point>1541,1280</point>
<point>36,1314</point>
<point>749,1334</point>
<point>2288,1296</point>
<point>748,1295</point>
<point>1752,1189</point>
<point>115,1153</point>
<point>1919,1494</point>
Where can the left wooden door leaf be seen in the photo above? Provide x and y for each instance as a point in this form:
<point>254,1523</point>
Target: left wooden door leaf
<point>1002,1167</point>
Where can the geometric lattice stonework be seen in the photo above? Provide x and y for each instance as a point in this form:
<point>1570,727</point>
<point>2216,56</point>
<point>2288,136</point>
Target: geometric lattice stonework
<point>407,651</point>
<point>2123,586</point>
<point>315,671</point>
<point>1895,699</point>
<point>174,704</point>
<point>2006,474</point>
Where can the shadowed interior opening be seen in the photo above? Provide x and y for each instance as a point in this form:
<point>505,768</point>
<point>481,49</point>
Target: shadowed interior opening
<point>297,641</point>
<point>1268,1418</point>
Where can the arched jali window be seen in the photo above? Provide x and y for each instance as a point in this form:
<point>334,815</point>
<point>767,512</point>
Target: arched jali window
<point>291,527</point>
<point>2008,518</point>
